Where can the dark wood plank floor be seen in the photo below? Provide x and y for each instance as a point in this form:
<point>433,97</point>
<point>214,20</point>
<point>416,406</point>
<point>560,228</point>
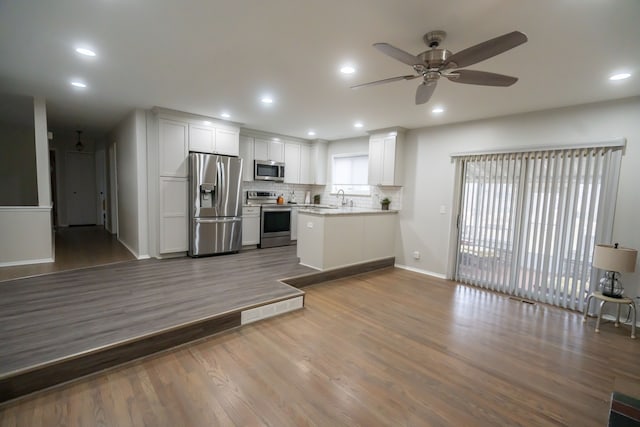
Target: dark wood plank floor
<point>49,317</point>
<point>385,348</point>
<point>75,247</point>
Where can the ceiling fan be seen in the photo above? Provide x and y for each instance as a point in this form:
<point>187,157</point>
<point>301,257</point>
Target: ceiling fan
<point>436,62</point>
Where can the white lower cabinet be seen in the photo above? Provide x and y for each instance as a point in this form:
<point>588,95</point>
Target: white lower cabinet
<point>250,225</point>
<point>174,218</point>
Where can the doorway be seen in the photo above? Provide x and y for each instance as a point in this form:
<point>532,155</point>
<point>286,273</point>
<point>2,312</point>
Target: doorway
<point>81,188</point>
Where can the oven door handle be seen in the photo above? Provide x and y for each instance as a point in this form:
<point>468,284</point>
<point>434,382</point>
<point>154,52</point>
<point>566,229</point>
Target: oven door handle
<point>276,209</point>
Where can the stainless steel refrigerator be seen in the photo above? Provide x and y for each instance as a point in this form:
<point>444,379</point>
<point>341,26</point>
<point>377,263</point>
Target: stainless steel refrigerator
<point>215,204</point>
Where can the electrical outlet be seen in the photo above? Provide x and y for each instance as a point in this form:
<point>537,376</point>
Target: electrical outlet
<point>416,255</point>
<point>309,225</point>
<point>443,209</point>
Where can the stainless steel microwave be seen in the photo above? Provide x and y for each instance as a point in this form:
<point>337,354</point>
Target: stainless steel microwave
<point>268,170</point>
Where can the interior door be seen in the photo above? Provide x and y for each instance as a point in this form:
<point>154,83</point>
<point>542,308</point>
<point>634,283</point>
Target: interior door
<point>80,188</point>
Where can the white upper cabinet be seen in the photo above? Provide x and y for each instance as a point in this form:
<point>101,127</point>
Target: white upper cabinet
<point>318,159</point>
<point>292,163</point>
<point>214,140</point>
<point>227,142</point>
<point>268,150</point>
<point>246,154</point>
<point>385,160</point>
<point>202,138</point>
<point>305,164</point>
<point>173,148</point>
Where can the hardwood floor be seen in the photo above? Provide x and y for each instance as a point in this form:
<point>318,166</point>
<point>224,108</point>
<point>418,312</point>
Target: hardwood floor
<point>75,247</point>
<point>79,316</point>
<point>385,348</point>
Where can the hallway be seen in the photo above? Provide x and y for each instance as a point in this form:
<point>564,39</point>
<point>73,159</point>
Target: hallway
<point>75,247</point>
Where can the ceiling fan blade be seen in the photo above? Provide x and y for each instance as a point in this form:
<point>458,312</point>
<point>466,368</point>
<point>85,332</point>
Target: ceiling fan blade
<point>398,54</point>
<point>389,80</point>
<point>486,50</point>
<point>424,92</point>
<point>473,77</point>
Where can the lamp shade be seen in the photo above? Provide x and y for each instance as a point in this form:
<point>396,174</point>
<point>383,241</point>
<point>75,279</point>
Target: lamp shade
<point>610,258</point>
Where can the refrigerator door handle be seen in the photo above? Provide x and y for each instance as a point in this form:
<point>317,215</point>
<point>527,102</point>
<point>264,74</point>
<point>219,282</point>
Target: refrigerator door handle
<point>216,220</point>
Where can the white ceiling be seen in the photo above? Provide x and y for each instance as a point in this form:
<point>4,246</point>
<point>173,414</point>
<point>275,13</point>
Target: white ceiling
<point>204,57</point>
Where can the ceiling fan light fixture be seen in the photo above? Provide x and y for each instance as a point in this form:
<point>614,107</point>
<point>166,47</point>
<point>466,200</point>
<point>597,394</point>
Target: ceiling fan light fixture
<point>620,76</point>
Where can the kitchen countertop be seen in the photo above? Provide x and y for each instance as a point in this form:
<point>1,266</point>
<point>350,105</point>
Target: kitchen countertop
<point>325,211</point>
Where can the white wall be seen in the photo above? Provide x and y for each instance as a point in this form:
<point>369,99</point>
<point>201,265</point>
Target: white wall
<point>26,231</point>
<point>130,139</point>
<point>18,183</point>
<point>429,172</point>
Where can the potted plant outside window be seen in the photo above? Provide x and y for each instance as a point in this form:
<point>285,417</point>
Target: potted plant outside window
<point>384,203</point>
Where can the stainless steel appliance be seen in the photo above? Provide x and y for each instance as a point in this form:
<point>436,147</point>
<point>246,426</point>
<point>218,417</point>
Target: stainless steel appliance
<point>267,170</point>
<point>215,204</point>
<point>275,219</point>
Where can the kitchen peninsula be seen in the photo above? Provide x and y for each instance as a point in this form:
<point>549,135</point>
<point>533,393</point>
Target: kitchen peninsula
<point>338,237</point>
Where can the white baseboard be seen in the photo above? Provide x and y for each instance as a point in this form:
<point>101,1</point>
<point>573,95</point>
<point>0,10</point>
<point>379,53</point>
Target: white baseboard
<point>417,270</point>
<point>134,253</point>
<point>26,262</point>
<point>612,318</point>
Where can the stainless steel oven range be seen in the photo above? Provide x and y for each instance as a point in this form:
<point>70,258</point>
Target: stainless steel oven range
<point>275,219</point>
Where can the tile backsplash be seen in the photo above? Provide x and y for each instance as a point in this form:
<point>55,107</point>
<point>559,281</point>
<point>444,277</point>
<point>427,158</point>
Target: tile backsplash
<point>326,197</point>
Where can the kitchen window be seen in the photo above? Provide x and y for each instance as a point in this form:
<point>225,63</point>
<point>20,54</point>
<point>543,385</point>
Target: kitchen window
<point>350,173</point>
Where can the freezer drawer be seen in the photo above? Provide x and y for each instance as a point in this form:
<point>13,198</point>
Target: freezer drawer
<point>215,236</point>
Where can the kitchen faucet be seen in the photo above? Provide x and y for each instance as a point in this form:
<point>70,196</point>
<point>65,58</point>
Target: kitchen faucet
<point>338,195</point>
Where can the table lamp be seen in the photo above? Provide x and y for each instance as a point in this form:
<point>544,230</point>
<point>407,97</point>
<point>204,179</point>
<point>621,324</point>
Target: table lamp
<point>614,260</point>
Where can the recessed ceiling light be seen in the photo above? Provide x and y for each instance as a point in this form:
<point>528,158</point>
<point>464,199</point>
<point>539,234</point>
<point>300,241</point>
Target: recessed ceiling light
<point>85,52</point>
<point>620,76</point>
<point>275,139</point>
<point>393,133</point>
<point>437,110</point>
<point>225,115</point>
<point>78,84</point>
<point>311,133</point>
<point>347,69</point>
<point>267,100</point>
<point>206,122</point>
<point>358,124</point>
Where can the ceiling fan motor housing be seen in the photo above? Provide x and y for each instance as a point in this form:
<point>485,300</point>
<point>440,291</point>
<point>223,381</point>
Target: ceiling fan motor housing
<point>434,58</point>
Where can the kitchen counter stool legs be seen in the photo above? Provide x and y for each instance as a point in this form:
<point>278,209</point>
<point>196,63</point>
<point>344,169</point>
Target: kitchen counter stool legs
<point>619,301</point>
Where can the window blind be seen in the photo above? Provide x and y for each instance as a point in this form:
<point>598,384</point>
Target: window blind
<point>528,221</point>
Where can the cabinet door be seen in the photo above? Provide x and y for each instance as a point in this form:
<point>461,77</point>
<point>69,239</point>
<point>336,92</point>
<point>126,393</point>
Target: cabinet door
<point>173,148</point>
<point>250,225</point>
<point>389,161</point>
<point>305,164</point>
<point>276,151</point>
<point>227,142</point>
<point>174,225</point>
<point>319,163</point>
<point>246,154</point>
<point>376,152</point>
<point>261,149</point>
<point>292,163</point>
<point>202,138</point>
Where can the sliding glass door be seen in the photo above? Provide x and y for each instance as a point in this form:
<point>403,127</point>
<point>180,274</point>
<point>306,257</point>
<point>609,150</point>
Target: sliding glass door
<point>528,221</point>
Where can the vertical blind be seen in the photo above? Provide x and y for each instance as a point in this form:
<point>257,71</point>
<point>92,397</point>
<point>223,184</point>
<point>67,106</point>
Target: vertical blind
<point>528,221</point>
